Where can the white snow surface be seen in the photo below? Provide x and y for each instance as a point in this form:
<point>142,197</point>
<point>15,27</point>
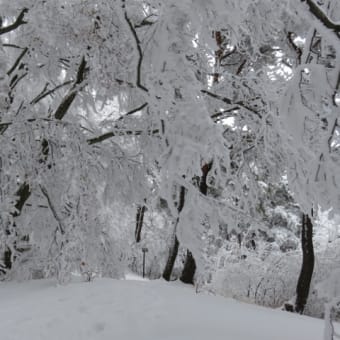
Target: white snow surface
<point>139,310</point>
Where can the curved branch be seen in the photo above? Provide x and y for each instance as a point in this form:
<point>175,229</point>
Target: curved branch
<point>139,108</point>
<point>321,15</point>
<point>46,93</point>
<point>18,22</point>
<point>297,49</point>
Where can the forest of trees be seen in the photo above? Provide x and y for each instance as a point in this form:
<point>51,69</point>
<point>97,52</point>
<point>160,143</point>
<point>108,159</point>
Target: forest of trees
<point>203,130</point>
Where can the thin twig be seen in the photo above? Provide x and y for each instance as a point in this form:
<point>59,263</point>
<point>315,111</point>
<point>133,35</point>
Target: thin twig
<point>45,93</point>
<point>220,114</point>
<point>111,134</point>
<point>226,100</point>
<point>52,208</point>
<point>15,81</point>
<point>139,108</point>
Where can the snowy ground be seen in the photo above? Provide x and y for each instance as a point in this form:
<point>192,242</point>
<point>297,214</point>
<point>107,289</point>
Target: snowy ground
<point>139,310</point>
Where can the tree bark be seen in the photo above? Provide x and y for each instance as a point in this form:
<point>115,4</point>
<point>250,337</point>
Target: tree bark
<point>189,269</point>
<point>303,285</point>
<point>175,245</point>
<point>171,259</point>
<point>218,55</point>
<point>139,222</point>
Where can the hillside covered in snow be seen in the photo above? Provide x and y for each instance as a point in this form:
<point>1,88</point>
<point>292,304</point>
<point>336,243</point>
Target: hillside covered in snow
<point>108,309</point>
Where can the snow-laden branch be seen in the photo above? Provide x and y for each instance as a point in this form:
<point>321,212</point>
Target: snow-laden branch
<point>111,134</point>
<point>18,22</point>
<point>297,49</point>
<point>226,100</point>
<point>317,11</point>
<point>53,210</point>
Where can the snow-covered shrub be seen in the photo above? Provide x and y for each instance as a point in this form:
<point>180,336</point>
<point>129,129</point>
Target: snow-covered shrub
<point>268,282</point>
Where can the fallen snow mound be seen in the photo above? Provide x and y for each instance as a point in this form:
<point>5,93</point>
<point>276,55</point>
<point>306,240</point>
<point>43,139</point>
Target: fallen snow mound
<point>139,310</point>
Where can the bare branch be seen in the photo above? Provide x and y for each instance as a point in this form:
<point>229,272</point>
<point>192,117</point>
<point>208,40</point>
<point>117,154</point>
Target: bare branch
<point>321,16</point>
<point>241,67</point>
<point>16,79</point>
<point>139,49</point>
<point>217,116</point>
<point>69,98</point>
<point>52,208</point>
<point>217,96</point>
<point>226,100</point>
<point>111,134</point>
<point>45,93</point>
<point>139,108</point>
<point>4,125</point>
<point>22,54</point>
<point>13,46</point>
<point>18,22</point>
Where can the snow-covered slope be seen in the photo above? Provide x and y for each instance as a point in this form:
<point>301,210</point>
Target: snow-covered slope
<point>139,310</point>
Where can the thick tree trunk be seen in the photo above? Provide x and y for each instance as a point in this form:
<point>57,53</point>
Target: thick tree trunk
<point>303,285</point>
<point>189,269</point>
<point>139,222</point>
<point>175,245</point>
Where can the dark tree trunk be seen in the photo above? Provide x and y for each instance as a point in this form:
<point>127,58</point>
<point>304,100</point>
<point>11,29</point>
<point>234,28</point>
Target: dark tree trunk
<point>189,269</point>
<point>203,182</point>
<point>171,259</point>
<point>303,285</point>
<point>174,247</point>
<point>8,259</point>
<point>23,194</point>
<point>139,222</point>
<point>218,55</point>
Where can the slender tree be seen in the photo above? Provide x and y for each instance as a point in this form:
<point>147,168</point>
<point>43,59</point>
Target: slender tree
<point>307,267</point>
<point>139,222</point>
<point>173,251</point>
